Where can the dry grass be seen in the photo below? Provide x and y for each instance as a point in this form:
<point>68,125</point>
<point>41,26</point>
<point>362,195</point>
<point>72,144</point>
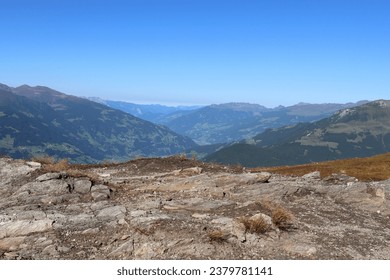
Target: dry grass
<point>217,236</point>
<point>282,218</point>
<point>375,168</point>
<point>44,159</point>
<point>258,225</point>
<point>58,166</point>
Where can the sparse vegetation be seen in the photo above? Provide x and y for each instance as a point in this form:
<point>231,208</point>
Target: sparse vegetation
<point>217,236</point>
<point>58,166</point>
<point>44,159</point>
<point>374,168</point>
<point>282,218</point>
<point>256,225</point>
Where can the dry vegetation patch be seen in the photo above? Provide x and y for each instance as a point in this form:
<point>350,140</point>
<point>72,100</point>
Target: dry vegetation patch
<point>217,236</point>
<point>282,218</point>
<point>256,225</point>
<point>374,168</point>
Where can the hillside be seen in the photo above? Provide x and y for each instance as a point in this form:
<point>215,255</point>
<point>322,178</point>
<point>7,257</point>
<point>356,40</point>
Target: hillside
<point>356,132</point>
<point>38,121</point>
<point>231,122</point>
<point>174,208</point>
<point>368,169</point>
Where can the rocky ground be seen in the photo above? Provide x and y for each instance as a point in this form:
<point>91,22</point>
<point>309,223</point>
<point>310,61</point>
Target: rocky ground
<point>176,208</point>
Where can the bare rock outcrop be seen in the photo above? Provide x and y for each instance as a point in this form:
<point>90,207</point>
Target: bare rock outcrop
<point>181,209</point>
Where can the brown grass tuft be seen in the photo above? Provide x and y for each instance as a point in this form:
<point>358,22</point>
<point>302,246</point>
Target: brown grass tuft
<point>217,236</point>
<point>282,218</point>
<point>59,166</point>
<point>258,225</point>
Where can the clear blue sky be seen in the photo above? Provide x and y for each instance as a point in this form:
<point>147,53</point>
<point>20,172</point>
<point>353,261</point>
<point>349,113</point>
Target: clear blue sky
<point>268,52</point>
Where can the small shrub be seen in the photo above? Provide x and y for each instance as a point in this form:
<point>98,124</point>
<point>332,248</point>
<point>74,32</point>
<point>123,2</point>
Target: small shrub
<point>182,156</point>
<point>217,236</point>
<point>258,225</point>
<point>282,218</point>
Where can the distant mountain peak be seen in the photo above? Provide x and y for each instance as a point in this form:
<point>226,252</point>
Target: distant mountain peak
<point>382,103</point>
<point>5,87</point>
<point>345,112</point>
<point>240,106</point>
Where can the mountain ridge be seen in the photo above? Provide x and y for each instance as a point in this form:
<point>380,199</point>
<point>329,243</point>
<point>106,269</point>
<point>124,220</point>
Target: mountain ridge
<point>38,121</point>
<point>226,122</point>
<point>359,131</point>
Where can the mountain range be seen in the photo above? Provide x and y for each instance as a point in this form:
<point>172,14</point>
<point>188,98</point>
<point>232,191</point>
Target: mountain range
<point>39,121</point>
<point>355,132</point>
<point>155,113</point>
<point>229,122</point>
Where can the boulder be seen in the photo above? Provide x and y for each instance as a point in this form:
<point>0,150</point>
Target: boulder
<point>11,243</point>
<point>114,212</point>
<point>33,164</point>
<point>316,175</point>
<point>24,227</point>
<point>254,178</point>
<point>49,176</point>
<point>100,192</point>
<point>82,186</point>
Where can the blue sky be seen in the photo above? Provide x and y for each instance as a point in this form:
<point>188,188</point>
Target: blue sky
<point>200,52</point>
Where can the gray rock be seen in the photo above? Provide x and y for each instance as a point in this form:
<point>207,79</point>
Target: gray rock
<point>244,179</point>
<point>49,176</point>
<point>316,175</point>
<point>63,249</point>
<point>34,164</point>
<point>101,188</point>
<point>98,196</point>
<point>31,215</point>
<point>11,170</point>
<point>376,191</point>
<point>20,228</point>
<point>100,192</point>
<point>304,250</point>
<point>114,212</point>
<point>263,177</point>
<point>46,187</point>
<point>11,255</point>
<point>11,243</point>
<point>82,186</point>
<point>339,177</point>
<point>91,231</point>
<point>125,249</point>
<point>191,171</point>
<point>50,250</point>
<point>97,206</point>
<point>238,230</point>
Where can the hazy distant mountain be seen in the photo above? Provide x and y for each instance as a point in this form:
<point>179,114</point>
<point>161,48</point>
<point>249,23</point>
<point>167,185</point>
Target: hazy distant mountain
<point>236,121</point>
<point>38,120</point>
<point>154,112</point>
<point>356,132</point>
